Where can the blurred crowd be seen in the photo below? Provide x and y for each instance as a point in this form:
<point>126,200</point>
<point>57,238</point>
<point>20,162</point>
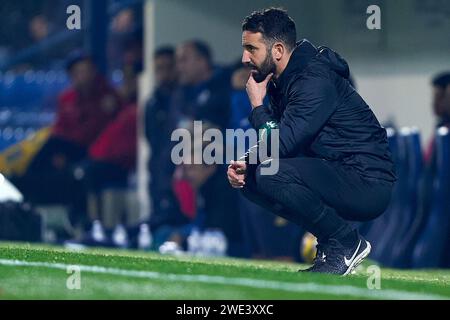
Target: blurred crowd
<point>86,160</point>
<point>45,41</point>
<point>89,155</point>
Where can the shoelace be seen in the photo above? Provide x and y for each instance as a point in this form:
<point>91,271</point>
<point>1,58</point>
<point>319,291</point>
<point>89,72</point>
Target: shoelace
<point>332,256</point>
<point>319,260</point>
<point>321,248</point>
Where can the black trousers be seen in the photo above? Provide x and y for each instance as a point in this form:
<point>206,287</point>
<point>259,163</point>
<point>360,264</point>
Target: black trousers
<point>101,174</point>
<point>43,183</point>
<point>319,195</point>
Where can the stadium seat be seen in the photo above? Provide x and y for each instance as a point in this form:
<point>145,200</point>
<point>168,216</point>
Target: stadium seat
<point>27,103</point>
<point>373,230</point>
<point>409,213</point>
<point>387,234</point>
<point>429,252</point>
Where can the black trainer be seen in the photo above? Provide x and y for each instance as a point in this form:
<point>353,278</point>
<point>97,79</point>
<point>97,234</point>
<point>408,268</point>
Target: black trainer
<point>343,260</point>
<point>318,260</point>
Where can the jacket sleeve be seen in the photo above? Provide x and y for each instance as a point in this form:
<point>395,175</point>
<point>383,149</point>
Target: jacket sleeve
<point>311,102</point>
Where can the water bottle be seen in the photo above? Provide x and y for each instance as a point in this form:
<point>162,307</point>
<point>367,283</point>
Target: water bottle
<point>171,248</point>
<point>144,237</point>
<point>220,243</point>
<point>120,237</point>
<point>208,244</point>
<point>194,242</point>
<point>97,232</point>
<point>217,243</point>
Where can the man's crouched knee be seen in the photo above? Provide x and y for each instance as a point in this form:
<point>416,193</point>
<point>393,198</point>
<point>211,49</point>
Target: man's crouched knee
<point>266,178</point>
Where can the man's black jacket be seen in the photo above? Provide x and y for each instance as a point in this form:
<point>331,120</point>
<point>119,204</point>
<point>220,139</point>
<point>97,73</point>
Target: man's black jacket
<point>319,114</point>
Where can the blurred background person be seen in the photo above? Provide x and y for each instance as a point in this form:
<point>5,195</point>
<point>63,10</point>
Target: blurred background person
<point>84,110</point>
<point>203,92</point>
<point>216,205</point>
<point>209,206</point>
<point>158,129</point>
<point>105,173</point>
<point>39,28</point>
<point>440,107</point>
<point>125,38</point>
<point>441,111</point>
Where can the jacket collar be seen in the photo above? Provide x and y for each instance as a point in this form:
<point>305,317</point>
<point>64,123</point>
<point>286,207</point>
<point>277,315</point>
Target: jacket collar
<point>300,58</point>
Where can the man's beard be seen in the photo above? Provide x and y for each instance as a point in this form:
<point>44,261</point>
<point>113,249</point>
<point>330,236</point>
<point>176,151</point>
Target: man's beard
<point>266,68</point>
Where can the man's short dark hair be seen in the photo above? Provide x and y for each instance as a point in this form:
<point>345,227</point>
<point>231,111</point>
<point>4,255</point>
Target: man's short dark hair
<point>274,24</point>
<point>76,57</point>
<point>442,80</point>
<point>166,51</point>
<point>202,48</point>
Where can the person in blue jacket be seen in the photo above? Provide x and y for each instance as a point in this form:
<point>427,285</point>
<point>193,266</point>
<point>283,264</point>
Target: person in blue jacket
<point>334,164</point>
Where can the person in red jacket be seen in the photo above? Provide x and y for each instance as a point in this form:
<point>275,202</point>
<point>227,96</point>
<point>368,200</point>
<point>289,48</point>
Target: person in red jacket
<point>84,111</point>
<point>117,143</point>
<point>110,160</point>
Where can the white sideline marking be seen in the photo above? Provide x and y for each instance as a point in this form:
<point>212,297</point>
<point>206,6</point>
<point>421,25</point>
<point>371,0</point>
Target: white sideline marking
<point>245,282</point>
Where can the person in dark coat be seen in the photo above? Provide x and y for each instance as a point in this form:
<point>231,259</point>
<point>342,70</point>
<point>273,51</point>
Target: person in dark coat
<point>158,128</point>
<point>204,92</point>
<point>331,163</point>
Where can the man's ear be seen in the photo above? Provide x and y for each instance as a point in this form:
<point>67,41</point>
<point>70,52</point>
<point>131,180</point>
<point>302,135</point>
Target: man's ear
<point>278,51</point>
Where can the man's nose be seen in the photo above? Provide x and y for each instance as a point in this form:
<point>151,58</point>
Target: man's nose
<point>245,57</point>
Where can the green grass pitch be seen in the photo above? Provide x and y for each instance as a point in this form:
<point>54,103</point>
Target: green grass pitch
<point>43,272</point>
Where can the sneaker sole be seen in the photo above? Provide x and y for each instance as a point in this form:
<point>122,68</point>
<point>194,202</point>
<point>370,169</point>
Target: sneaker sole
<point>358,259</point>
